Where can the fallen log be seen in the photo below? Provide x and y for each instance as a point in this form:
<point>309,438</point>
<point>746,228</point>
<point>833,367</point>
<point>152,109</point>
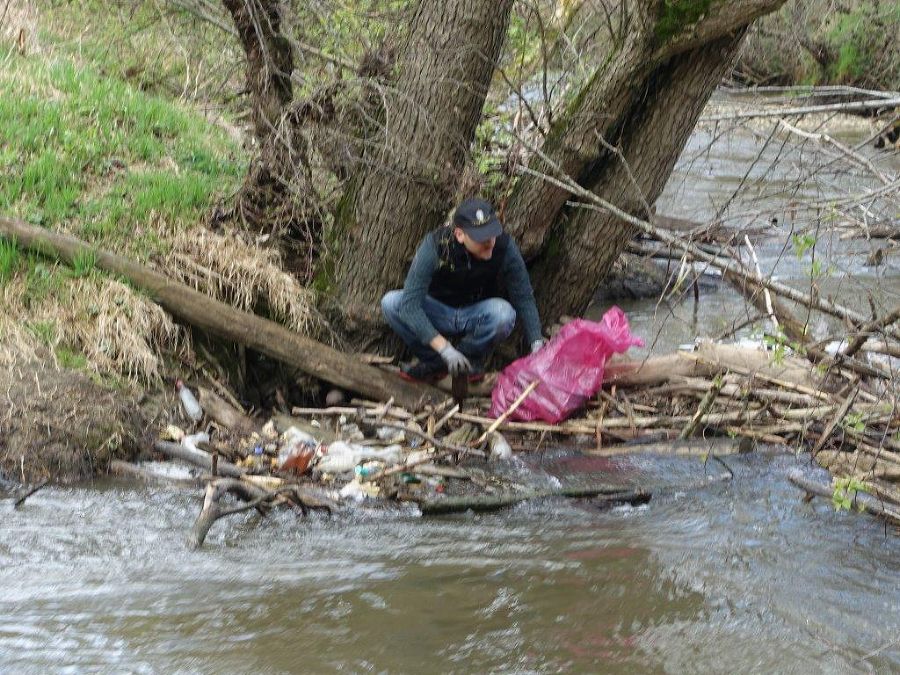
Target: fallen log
<point>650,371</point>
<point>803,110</point>
<point>198,458</point>
<point>223,412</point>
<point>608,493</point>
<point>121,468</point>
<point>201,311</point>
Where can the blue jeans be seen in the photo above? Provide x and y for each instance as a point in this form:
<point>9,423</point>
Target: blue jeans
<point>474,328</point>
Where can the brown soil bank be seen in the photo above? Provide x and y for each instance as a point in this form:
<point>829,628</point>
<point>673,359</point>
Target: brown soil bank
<point>59,424</point>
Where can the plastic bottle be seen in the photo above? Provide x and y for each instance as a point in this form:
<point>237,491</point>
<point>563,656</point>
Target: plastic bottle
<point>189,402</point>
<point>342,456</point>
<point>190,442</point>
<point>500,449</point>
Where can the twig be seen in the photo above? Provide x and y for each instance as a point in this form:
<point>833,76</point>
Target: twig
<point>704,407</point>
<point>805,110</point>
<point>446,418</point>
<point>21,499</point>
<point>842,411</point>
<point>855,156</point>
<point>505,416</point>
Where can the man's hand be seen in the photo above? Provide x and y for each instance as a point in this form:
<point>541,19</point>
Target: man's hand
<point>537,344</point>
<point>456,361</point>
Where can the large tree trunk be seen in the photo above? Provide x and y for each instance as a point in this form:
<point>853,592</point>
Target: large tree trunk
<point>269,60</point>
<point>567,274</point>
<point>411,168</point>
<point>645,100</point>
<point>278,187</point>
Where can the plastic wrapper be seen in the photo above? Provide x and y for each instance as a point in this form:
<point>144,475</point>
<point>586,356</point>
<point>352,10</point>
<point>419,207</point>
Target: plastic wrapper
<point>569,369</point>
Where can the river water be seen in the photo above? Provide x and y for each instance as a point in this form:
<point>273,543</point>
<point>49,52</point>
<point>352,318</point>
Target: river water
<point>737,576</point>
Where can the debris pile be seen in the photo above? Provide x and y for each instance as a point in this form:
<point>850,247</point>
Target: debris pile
<point>711,402</point>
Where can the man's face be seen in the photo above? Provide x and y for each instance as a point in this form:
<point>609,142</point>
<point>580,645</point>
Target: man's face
<point>483,250</point>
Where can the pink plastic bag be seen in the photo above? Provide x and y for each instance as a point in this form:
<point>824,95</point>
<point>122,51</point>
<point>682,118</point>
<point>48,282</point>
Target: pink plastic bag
<point>569,369</point>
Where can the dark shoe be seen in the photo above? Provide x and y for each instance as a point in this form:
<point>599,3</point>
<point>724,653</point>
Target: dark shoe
<point>424,371</point>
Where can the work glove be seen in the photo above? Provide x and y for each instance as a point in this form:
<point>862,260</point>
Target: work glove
<point>456,361</point>
<point>537,344</point>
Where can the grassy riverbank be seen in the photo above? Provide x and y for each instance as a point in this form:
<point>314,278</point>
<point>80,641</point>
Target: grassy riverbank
<point>86,152</point>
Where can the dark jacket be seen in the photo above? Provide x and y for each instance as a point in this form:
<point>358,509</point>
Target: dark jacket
<point>444,269</point>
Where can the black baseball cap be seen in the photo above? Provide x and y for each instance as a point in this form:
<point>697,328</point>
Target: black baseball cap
<point>477,219</point>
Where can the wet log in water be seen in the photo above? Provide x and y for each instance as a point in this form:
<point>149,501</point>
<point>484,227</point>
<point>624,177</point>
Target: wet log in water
<point>602,493</point>
<point>255,498</point>
<point>861,500</point>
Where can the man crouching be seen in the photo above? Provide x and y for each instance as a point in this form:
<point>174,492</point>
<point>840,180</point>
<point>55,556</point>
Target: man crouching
<point>452,292</point>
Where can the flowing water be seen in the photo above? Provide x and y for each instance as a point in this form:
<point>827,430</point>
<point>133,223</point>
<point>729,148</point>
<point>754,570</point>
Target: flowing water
<point>737,576</point>
<point>734,577</point>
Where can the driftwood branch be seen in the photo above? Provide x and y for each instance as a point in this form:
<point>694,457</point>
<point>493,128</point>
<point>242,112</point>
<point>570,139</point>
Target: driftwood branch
<point>863,501</point>
<point>851,106</point>
<point>199,310</point>
<point>198,458</point>
<point>122,468</point>
<point>212,509</point>
<point>254,497</point>
<point>869,329</point>
<point>692,448</point>
<point>30,491</point>
<point>705,404</point>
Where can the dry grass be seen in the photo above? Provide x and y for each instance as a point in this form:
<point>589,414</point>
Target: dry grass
<point>59,424</point>
<point>229,269</point>
<point>18,21</point>
<point>16,344</point>
<point>118,331</point>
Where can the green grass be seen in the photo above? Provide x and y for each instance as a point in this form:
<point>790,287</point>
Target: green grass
<point>44,331</point>
<point>9,259</point>
<point>84,263</point>
<point>103,157</point>
<point>42,279</point>
<point>70,359</point>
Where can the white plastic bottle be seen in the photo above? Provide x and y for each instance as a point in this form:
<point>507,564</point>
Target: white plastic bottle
<point>189,402</point>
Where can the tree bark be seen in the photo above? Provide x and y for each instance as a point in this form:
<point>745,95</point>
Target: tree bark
<point>587,242</point>
<point>644,101</point>
<point>269,60</point>
<point>411,167</point>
